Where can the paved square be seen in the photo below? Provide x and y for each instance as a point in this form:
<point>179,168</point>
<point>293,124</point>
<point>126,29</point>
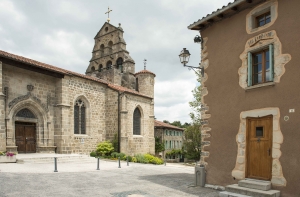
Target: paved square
<point>82,179</point>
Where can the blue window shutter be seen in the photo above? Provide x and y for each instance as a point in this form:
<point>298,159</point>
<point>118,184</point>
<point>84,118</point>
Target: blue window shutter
<point>271,61</point>
<point>249,69</point>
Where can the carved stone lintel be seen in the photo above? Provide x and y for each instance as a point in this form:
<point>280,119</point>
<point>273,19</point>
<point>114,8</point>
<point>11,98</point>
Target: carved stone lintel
<point>25,97</point>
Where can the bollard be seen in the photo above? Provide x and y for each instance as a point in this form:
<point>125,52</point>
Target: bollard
<point>55,164</point>
<point>98,162</point>
<point>127,161</point>
<point>119,163</point>
<point>165,162</point>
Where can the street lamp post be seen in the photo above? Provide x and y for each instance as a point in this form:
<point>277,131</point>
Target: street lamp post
<point>184,57</point>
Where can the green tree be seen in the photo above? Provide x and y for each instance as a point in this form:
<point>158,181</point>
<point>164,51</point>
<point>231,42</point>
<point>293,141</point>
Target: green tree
<point>159,146</point>
<point>176,124</point>
<point>104,148</point>
<point>196,103</point>
<point>192,142</point>
<point>192,134</point>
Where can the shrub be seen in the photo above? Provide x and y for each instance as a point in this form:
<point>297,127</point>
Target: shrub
<point>104,148</point>
<point>93,154</point>
<point>129,158</point>
<point>114,154</point>
<point>147,158</point>
<point>134,159</point>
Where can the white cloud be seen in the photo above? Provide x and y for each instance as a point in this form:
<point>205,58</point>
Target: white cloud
<point>72,9</point>
<point>172,98</point>
<point>9,11</point>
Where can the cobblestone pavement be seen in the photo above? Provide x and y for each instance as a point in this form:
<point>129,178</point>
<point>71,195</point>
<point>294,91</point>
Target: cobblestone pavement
<point>82,179</point>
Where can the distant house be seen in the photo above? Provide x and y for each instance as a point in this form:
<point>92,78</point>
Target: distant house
<point>251,97</point>
<point>171,136</point>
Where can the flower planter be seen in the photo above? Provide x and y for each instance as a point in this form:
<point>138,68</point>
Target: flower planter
<point>8,159</point>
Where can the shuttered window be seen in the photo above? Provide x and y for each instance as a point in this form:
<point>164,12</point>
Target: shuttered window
<point>137,122</point>
<point>261,66</point>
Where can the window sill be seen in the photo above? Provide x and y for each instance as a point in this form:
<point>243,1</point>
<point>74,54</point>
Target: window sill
<point>260,86</point>
<point>81,136</point>
<point>137,136</point>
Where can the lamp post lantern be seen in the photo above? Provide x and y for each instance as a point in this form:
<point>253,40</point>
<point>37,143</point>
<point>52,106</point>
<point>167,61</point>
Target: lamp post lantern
<point>184,57</point>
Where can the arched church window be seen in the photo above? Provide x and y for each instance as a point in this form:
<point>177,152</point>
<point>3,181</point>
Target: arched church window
<point>108,65</point>
<point>93,69</point>
<point>120,64</point>
<point>110,44</point>
<point>100,67</point>
<point>137,122</point>
<point>25,113</point>
<point>101,50</point>
<point>79,117</point>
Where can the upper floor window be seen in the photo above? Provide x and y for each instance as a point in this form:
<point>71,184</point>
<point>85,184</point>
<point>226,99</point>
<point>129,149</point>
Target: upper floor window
<point>137,122</point>
<point>260,66</point>
<point>79,117</point>
<point>263,19</point>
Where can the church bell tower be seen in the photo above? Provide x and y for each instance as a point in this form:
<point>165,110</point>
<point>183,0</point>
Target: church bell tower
<point>110,60</point>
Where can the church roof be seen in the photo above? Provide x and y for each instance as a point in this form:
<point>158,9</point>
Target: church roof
<point>62,71</point>
<point>160,124</point>
<point>145,72</point>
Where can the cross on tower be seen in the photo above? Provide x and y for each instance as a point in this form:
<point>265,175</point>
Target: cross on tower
<point>145,62</point>
<point>108,14</point>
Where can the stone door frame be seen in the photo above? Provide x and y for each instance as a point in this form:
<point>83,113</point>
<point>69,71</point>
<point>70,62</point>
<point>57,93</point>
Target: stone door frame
<point>240,168</point>
<point>42,131</point>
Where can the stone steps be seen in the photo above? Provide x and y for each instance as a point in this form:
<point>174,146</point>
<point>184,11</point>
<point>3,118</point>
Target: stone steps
<point>255,184</point>
<point>250,187</point>
<point>60,159</point>
<point>229,194</point>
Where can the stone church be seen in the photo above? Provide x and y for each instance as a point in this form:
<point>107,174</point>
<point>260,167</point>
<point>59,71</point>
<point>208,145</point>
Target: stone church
<point>48,109</point>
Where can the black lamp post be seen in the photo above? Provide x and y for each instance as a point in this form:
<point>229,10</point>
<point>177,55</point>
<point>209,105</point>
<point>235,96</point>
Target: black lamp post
<point>184,57</point>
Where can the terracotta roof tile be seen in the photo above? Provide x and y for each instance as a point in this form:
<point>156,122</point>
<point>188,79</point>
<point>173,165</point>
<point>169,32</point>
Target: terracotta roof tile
<point>145,71</point>
<point>66,72</point>
<point>123,89</point>
<point>165,125</point>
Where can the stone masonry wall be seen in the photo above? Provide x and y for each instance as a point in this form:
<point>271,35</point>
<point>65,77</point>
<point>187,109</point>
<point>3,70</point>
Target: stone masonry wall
<point>93,95</point>
<point>144,143</point>
<point>40,101</point>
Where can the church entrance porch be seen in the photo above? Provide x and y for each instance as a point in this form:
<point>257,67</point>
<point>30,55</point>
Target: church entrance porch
<point>25,137</point>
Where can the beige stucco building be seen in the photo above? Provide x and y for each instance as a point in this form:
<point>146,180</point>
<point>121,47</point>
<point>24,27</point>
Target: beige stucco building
<point>169,135</point>
<point>250,55</point>
<point>49,109</point>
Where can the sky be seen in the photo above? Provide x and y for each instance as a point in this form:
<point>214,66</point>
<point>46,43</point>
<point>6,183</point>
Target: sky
<point>61,33</point>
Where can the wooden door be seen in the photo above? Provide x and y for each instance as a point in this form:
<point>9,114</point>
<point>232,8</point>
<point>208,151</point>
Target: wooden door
<point>30,139</point>
<point>20,139</point>
<point>25,137</point>
<point>259,147</point>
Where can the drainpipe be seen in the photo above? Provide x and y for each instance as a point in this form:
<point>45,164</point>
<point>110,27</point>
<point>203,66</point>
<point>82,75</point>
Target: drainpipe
<point>5,121</point>
<point>119,123</point>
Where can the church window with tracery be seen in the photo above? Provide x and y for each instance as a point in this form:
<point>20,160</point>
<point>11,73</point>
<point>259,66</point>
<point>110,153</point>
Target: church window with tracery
<point>79,117</point>
<point>25,113</point>
<point>137,122</point>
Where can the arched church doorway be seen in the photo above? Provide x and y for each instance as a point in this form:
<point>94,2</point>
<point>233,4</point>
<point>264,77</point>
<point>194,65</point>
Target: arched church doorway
<point>25,132</point>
